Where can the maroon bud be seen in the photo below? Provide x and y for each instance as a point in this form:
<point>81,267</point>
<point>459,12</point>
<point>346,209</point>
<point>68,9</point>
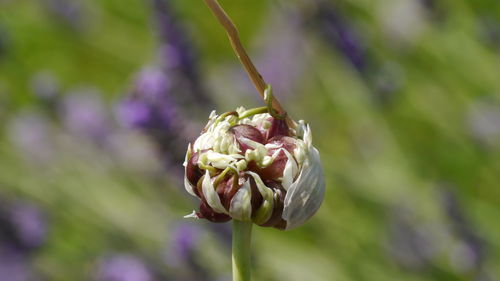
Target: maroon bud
<point>285,142</point>
<point>193,172</point>
<point>246,131</point>
<point>257,198</point>
<point>276,220</point>
<point>275,170</point>
<point>226,189</point>
<point>281,225</point>
<point>279,127</point>
<point>207,213</point>
<point>199,189</point>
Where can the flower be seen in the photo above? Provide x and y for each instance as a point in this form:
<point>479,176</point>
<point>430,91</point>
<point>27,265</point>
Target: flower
<point>340,34</point>
<point>83,113</point>
<point>123,267</point>
<point>178,58</point>
<point>251,166</point>
<point>149,107</point>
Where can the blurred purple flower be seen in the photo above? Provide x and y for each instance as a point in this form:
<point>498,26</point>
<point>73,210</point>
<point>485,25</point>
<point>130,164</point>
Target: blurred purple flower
<point>181,253</point>
<point>67,11</point>
<point>30,133</point>
<point>178,58</point>
<point>182,244</point>
<point>14,266</point>
<point>383,78</point>
<point>178,51</point>
<point>152,84</point>
<point>23,226</point>
<point>341,35</point>
<point>411,244</point>
<point>84,114</point>
<point>163,94</point>
<point>284,58</point>
<point>150,106</point>
<point>136,114</point>
<point>123,267</point>
<point>471,252</point>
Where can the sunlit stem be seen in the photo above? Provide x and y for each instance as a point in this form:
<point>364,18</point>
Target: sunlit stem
<point>224,115</point>
<point>211,169</point>
<point>221,176</point>
<point>253,111</point>
<point>242,234</point>
<point>268,97</point>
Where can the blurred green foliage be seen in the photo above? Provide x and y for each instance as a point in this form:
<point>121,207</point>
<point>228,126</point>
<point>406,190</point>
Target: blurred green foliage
<point>382,156</point>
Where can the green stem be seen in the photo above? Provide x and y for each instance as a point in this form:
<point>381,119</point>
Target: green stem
<point>242,233</point>
<point>253,111</point>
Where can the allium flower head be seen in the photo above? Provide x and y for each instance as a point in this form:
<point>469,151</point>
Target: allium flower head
<point>251,166</point>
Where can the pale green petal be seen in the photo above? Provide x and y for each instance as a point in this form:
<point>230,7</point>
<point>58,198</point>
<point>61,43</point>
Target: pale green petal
<point>241,206</point>
<point>211,195</point>
<point>188,186</point>
<point>290,171</point>
<point>266,209</point>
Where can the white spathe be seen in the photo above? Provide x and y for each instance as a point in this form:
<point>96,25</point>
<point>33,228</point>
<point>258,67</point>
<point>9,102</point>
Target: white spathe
<point>305,195</point>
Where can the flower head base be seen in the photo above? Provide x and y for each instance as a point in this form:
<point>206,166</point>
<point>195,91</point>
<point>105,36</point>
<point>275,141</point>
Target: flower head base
<point>250,165</point>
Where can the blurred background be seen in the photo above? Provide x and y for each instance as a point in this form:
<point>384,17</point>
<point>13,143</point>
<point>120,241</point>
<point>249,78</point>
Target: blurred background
<point>98,100</point>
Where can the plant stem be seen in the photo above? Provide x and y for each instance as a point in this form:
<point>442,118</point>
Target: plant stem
<point>253,73</point>
<point>242,233</point>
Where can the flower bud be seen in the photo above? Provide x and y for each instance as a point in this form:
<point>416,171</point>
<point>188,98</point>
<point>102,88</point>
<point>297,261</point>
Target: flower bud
<point>254,168</point>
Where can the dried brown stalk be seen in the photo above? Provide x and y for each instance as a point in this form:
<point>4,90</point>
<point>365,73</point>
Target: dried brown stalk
<point>242,55</point>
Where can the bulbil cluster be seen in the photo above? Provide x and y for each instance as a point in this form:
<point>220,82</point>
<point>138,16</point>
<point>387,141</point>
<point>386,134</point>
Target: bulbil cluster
<point>251,165</point>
